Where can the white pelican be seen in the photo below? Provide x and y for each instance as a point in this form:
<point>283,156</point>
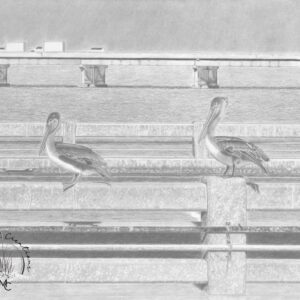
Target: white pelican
<point>78,159</point>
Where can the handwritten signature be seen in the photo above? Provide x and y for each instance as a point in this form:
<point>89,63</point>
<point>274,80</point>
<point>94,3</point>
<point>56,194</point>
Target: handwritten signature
<point>14,259</point>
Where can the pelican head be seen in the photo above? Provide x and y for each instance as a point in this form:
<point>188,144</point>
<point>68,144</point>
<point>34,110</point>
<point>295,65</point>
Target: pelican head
<point>217,109</point>
<point>52,124</point>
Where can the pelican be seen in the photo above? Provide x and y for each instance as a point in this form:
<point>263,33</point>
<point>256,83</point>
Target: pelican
<point>78,159</point>
<point>230,151</point>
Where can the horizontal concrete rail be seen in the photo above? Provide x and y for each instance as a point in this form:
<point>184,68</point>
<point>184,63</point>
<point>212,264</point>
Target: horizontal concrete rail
<point>89,227</point>
<point>26,199</point>
<point>147,169</point>
<point>115,270</point>
<point>122,204</point>
<point>151,270</point>
<point>146,291</point>
<point>93,66</point>
<point>106,291</point>
<point>278,204</point>
<point>275,290</point>
<point>114,218</point>
<point>163,248</point>
<point>148,140</point>
<point>239,60</point>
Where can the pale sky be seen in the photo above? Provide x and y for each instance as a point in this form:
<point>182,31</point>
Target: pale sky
<point>155,25</point>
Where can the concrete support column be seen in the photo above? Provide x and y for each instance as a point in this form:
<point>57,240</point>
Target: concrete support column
<point>227,202</point>
<point>69,134</point>
<point>205,76</point>
<point>3,75</point>
<point>93,75</point>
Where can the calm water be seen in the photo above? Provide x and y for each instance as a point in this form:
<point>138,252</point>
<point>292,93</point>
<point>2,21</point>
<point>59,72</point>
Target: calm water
<point>261,95</point>
<point>147,104</point>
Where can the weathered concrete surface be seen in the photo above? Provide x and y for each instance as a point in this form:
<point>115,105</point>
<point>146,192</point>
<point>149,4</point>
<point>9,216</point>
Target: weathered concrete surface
<point>116,270</point>
<point>273,270</point>
<point>146,291</point>
<point>227,200</point>
<point>104,218</point>
<point>106,291</point>
<point>274,290</point>
<point>273,217</point>
<point>274,196</point>
<point>88,195</point>
<point>278,169</point>
<point>142,195</point>
<point>153,129</point>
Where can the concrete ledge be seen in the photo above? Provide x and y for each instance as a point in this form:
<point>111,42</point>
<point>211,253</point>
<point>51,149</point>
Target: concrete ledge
<point>155,167</point>
<point>116,270</point>
<point>104,218</point>
<point>154,129</point>
<point>274,290</point>
<point>143,195</point>
<point>275,217</point>
<point>148,140</point>
<point>274,196</point>
<point>272,270</point>
<point>105,291</point>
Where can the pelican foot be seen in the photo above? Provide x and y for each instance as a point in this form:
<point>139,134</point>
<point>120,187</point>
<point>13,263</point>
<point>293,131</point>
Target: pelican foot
<point>75,179</point>
<point>67,186</point>
<point>254,186</point>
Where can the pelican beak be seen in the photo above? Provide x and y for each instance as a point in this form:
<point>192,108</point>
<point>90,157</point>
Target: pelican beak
<point>211,117</point>
<point>43,144</point>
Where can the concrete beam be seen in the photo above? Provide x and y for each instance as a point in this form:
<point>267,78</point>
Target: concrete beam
<point>273,270</point>
<point>105,291</point>
<point>89,195</point>
<point>115,270</point>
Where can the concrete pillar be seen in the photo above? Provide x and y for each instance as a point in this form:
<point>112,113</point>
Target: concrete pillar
<point>93,75</point>
<point>69,135</point>
<point>3,75</point>
<point>227,202</point>
<point>205,76</point>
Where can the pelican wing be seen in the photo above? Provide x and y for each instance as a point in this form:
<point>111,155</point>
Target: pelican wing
<point>80,154</point>
<point>238,148</point>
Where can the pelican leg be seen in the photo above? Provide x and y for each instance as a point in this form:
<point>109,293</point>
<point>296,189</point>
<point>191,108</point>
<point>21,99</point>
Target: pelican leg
<point>75,179</point>
<point>227,169</point>
<point>254,186</point>
<point>233,169</point>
